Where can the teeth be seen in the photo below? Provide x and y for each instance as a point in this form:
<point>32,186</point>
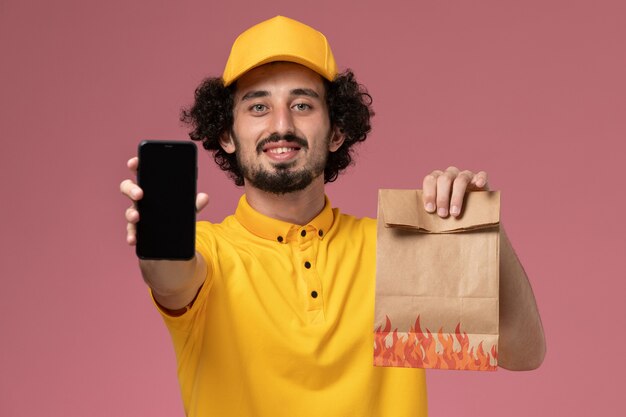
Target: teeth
<point>281,150</point>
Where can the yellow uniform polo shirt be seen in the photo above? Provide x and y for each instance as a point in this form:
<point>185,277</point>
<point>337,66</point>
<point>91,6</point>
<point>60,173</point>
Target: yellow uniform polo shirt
<point>283,323</point>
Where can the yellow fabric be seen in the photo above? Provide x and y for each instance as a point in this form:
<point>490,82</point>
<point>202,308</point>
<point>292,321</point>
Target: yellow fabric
<point>280,39</point>
<point>257,343</point>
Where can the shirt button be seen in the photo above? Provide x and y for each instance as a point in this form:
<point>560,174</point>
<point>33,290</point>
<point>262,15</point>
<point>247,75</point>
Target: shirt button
<point>280,239</point>
<point>314,294</point>
<point>303,233</point>
<point>307,265</point>
<point>321,233</point>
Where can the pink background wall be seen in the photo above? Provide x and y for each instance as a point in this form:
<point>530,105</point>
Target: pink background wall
<point>533,92</point>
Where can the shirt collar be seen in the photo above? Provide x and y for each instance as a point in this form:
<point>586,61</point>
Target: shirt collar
<point>278,230</point>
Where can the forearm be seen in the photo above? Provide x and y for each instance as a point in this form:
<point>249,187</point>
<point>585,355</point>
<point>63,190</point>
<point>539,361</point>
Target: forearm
<point>522,343</point>
<point>174,284</point>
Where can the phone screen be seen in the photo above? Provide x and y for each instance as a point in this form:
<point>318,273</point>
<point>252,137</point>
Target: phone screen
<point>167,174</point>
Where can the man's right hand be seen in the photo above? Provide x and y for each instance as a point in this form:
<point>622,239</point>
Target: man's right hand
<point>174,284</point>
<point>130,189</point>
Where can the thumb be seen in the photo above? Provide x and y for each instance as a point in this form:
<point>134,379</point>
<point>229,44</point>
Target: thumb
<point>202,200</point>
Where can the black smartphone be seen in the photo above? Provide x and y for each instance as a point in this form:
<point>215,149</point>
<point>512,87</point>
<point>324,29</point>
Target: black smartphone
<point>167,174</point>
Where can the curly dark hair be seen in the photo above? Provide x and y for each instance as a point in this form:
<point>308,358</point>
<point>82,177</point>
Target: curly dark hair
<point>211,116</point>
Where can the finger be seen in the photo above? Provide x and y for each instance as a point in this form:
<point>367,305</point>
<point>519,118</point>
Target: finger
<point>202,200</point>
<point>132,215</point>
<point>459,187</point>
<point>131,234</point>
<point>429,190</point>
<point>444,187</point>
<point>453,170</point>
<point>480,181</point>
<point>131,190</point>
<point>132,164</point>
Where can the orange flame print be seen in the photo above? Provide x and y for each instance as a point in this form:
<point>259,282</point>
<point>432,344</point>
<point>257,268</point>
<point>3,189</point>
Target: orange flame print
<point>419,349</point>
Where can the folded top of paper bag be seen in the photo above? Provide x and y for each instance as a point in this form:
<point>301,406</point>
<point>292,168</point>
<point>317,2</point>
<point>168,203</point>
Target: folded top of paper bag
<point>405,209</point>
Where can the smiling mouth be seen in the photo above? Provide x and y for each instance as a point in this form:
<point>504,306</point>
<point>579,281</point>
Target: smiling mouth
<point>281,150</point>
<point>282,153</point>
<point>281,145</point>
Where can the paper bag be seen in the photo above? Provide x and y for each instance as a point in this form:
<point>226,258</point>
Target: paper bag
<point>437,283</point>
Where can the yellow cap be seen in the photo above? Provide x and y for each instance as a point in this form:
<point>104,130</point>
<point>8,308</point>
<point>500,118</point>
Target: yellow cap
<point>280,39</point>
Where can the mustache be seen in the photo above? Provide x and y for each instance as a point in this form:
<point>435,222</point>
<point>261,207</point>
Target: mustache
<point>275,137</point>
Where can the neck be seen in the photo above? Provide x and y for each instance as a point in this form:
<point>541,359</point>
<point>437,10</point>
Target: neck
<point>299,207</point>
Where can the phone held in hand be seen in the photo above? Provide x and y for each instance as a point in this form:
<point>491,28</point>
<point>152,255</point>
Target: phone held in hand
<point>167,174</point>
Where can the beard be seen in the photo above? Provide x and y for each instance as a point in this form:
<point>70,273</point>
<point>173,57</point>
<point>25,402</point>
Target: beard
<point>282,179</point>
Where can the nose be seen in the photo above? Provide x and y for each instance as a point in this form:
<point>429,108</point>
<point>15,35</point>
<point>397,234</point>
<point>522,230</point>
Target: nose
<point>282,121</point>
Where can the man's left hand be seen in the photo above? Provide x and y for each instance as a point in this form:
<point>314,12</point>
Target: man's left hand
<point>444,190</point>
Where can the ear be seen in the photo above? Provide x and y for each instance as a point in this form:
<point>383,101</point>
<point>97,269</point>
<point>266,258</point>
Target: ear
<point>337,138</point>
<point>227,143</point>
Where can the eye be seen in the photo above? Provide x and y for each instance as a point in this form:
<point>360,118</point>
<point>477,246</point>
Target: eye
<point>301,106</point>
<point>258,108</point>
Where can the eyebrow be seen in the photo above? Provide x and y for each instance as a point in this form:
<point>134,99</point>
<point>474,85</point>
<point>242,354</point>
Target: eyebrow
<point>304,92</point>
<point>295,92</point>
<point>255,94</point>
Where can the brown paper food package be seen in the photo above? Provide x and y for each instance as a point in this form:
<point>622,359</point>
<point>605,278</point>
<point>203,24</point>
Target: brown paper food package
<point>437,283</point>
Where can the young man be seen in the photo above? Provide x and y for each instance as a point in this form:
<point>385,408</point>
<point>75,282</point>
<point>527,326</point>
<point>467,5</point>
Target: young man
<point>273,316</point>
